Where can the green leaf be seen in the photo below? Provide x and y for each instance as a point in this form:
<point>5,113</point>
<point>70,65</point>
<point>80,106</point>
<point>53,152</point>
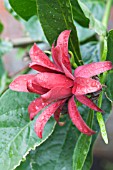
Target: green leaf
<point>17,136</point>
<point>5,47</point>
<point>96,8</point>
<point>56,153</point>
<point>102,127</point>
<point>82,146</point>
<point>55,17</point>
<point>94,24</point>
<point>110,46</point>
<point>25,9</point>
<point>1,27</point>
<point>78,14</point>
<point>109,83</point>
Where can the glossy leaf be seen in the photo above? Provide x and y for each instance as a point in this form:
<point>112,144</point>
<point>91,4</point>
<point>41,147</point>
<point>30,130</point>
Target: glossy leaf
<point>78,14</point>
<point>82,147</point>
<point>110,46</point>
<point>26,9</point>
<point>17,136</point>
<point>55,153</point>
<point>102,127</point>
<point>55,17</point>
<point>109,83</point>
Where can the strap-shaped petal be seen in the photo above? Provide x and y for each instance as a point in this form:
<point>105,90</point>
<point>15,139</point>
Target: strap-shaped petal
<point>51,80</point>
<point>60,62</point>
<point>62,42</point>
<point>36,106</point>
<point>45,116</point>
<point>86,101</point>
<point>20,83</point>
<point>92,69</point>
<point>85,85</point>
<point>57,93</point>
<point>41,62</point>
<point>35,88</point>
<point>56,57</point>
<point>77,119</point>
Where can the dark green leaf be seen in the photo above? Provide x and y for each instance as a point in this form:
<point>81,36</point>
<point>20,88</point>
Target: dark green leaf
<point>78,14</point>
<point>110,46</point>
<point>109,83</point>
<point>5,47</point>
<point>56,153</point>
<point>1,27</point>
<point>55,17</point>
<point>82,146</point>
<point>26,9</point>
<point>17,136</point>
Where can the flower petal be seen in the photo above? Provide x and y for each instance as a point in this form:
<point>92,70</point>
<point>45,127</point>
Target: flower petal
<point>92,69</point>
<point>45,116</point>
<point>35,88</point>
<point>85,86</point>
<point>61,64</point>
<point>57,93</point>
<point>20,83</point>
<point>56,57</point>
<point>36,106</point>
<point>86,101</point>
<point>77,119</point>
<point>51,80</point>
<point>41,62</point>
<point>62,42</point>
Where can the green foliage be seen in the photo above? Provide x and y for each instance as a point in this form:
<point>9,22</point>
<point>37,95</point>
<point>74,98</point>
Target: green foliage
<point>82,146</point>
<point>56,153</point>
<point>96,8</point>
<point>17,136</point>
<point>94,24</point>
<point>109,83</point>
<point>110,46</point>
<point>56,18</point>
<point>26,9</point>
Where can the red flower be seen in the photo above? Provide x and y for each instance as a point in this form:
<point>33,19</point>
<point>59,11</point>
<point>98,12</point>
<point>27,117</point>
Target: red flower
<point>56,85</point>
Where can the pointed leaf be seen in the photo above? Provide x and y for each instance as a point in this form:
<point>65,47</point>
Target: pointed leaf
<point>25,9</point>
<point>110,46</point>
<point>17,136</point>
<point>56,153</point>
<point>82,147</point>
<point>59,16</point>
